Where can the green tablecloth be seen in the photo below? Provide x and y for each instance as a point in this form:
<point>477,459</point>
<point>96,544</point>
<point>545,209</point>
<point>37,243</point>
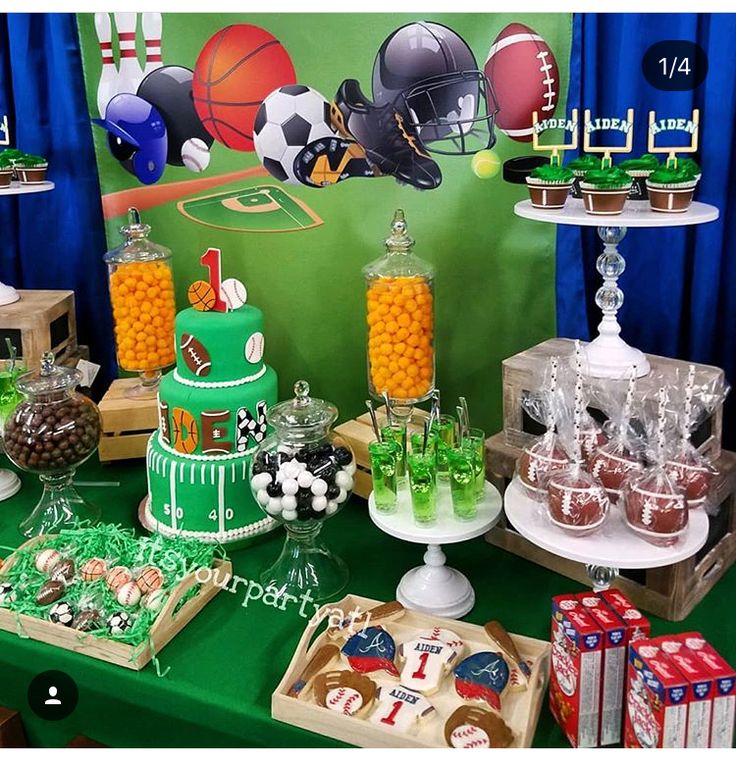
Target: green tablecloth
<point>226,663</point>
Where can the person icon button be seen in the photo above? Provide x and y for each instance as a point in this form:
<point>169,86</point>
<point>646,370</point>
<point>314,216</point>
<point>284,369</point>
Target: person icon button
<point>53,695</point>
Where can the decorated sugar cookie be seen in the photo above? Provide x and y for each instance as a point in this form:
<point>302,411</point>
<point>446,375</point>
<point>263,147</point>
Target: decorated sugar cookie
<point>446,636</point>
<point>345,692</point>
<point>475,728</point>
<point>371,650</point>
<point>426,662</point>
<point>519,670</point>
<point>482,677</point>
<point>400,708</point>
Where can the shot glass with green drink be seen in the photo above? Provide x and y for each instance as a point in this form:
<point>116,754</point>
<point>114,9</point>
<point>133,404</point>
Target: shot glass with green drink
<point>423,486</point>
<point>461,466</point>
<point>396,433</point>
<point>444,429</point>
<point>474,441</point>
<point>383,456</point>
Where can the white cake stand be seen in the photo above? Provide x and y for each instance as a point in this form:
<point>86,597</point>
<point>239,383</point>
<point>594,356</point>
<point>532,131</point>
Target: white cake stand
<point>612,547</point>
<point>608,354</point>
<point>435,588</point>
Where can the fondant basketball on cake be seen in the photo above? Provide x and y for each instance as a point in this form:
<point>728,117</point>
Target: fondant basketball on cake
<point>195,355</point>
<point>524,76</point>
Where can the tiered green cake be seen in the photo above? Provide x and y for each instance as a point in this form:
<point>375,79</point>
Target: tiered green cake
<point>212,416</point>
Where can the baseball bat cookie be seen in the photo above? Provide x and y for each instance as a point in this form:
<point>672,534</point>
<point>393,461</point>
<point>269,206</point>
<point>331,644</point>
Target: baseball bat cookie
<point>324,656</point>
<point>345,692</point>
<point>475,728</point>
<point>384,614</point>
<point>520,671</point>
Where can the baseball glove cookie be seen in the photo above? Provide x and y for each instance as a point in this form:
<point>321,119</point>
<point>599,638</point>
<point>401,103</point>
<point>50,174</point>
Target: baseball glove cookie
<point>348,693</point>
<point>475,728</point>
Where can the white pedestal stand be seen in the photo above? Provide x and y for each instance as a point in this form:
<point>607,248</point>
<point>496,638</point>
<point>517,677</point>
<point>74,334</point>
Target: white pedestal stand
<point>9,484</point>
<point>435,588</point>
<point>9,294</point>
<point>614,546</point>
<point>608,354</point>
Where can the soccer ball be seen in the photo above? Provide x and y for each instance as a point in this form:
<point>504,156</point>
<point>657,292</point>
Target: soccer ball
<point>287,120</point>
<point>61,613</point>
<point>7,594</point>
<point>119,623</point>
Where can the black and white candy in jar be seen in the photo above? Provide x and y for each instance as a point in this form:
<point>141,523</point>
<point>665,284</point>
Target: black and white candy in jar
<point>302,474</point>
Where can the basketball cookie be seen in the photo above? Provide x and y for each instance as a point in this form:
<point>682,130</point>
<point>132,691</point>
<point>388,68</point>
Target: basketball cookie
<point>476,728</point>
<point>185,432</point>
<point>149,578</point>
<point>117,577</point>
<point>345,692</point>
<point>201,295</point>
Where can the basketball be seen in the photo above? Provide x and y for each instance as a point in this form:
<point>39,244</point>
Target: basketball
<point>186,434</point>
<point>236,69</point>
<point>201,295</point>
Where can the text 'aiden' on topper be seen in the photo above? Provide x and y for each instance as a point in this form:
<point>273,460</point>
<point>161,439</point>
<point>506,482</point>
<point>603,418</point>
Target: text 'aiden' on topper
<point>216,294</point>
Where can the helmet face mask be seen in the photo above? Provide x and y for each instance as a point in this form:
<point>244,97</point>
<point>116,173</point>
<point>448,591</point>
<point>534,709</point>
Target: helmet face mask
<point>451,113</point>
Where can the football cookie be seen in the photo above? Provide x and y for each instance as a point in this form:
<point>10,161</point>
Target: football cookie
<point>482,677</point>
<point>400,708</point>
<point>426,662</point>
<point>371,650</point>
<point>345,692</point>
<point>476,728</point>
<point>195,355</point>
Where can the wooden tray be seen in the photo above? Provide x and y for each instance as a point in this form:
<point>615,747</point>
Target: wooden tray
<point>164,629</point>
<point>520,709</point>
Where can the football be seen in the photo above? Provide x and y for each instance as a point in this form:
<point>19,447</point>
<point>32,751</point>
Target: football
<point>524,76</point>
<point>64,570</point>
<point>288,119</point>
<point>196,356</point>
<point>578,503</point>
<point>49,592</point>
<point>119,623</point>
<point>656,508</point>
<point>61,613</point>
<point>692,474</point>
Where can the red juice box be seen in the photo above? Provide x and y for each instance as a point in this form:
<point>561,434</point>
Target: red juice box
<point>656,700</point>
<point>575,678</point>
<point>724,699</point>
<point>702,690</point>
<point>638,624</point>
<point>614,665</point>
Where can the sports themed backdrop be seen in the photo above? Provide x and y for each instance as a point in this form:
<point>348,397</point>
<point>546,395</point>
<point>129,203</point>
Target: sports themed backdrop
<point>298,192</point>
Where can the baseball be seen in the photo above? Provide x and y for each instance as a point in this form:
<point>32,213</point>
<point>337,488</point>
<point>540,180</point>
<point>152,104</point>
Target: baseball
<point>346,701</point>
<point>195,155</point>
<point>234,293</point>
<point>155,600</point>
<point>46,560</point>
<point>254,347</point>
<point>129,594</point>
<point>469,737</point>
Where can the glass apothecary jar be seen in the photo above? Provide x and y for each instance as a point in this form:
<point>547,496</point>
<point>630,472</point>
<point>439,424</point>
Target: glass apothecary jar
<point>400,318</point>
<point>143,304</point>
<point>301,475</point>
<point>52,431</point>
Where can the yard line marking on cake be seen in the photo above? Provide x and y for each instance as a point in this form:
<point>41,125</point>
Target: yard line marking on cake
<point>172,498</point>
<point>221,500</point>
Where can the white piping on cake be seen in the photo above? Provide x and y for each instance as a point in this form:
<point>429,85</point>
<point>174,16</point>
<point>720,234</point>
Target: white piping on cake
<point>223,384</point>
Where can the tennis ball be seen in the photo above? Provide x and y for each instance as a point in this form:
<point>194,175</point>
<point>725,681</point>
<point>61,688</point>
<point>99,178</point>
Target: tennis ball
<point>486,163</point>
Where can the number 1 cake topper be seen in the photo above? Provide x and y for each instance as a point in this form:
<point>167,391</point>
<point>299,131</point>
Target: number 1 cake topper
<point>216,294</point>
<point>608,123</point>
<point>568,126</point>
<point>656,126</point>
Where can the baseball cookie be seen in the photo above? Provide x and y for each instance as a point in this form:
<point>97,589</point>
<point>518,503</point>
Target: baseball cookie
<point>345,692</point>
<point>476,728</point>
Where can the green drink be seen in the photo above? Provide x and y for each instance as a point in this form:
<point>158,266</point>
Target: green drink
<point>383,471</point>
<point>9,396</point>
<point>397,434</point>
<point>444,433</point>
<point>461,464</point>
<point>417,443</point>
<point>474,439</point>
<point>423,485</point>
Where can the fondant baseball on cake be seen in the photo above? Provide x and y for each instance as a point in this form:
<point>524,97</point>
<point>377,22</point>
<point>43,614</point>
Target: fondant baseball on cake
<point>212,415</point>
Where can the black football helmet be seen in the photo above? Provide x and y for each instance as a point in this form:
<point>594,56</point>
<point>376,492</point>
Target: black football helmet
<point>430,75</point>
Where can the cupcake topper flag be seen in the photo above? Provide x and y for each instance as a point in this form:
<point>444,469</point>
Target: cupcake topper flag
<point>216,294</point>
<point>691,126</point>
<point>551,123</point>
<point>625,126</point>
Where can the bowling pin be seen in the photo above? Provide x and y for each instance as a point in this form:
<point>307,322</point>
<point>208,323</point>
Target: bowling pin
<point>152,24</point>
<point>130,73</point>
<point>107,86</point>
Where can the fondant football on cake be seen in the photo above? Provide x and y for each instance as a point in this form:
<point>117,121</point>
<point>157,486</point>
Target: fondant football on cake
<point>524,76</point>
<point>195,355</point>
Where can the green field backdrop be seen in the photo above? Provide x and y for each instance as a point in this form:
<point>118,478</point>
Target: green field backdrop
<point>494,272</point>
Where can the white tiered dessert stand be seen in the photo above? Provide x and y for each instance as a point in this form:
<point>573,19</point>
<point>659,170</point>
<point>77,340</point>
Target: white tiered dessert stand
<point>608,355</point>
<point>435,588</point>
<point>612,547</point>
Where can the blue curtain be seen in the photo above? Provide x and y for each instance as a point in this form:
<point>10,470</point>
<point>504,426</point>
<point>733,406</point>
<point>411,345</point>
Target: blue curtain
<point>679,283</point>
<point>54,240</point>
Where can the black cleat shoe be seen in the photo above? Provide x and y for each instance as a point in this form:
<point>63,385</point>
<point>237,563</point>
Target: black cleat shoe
<point>389,143</point>
<point>330,160</point>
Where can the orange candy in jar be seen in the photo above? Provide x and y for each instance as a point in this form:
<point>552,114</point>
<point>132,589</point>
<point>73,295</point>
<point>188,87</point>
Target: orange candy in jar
<point>400,316</point>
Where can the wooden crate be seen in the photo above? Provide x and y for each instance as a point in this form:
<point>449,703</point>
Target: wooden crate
<point>127,423</point>
<point>165,628</point>
<point>520,710</point>
<point>521,375</point>
<point>12,735</point>
<point>42,320</point>
<point>359,433</point>
<point>670,591</point>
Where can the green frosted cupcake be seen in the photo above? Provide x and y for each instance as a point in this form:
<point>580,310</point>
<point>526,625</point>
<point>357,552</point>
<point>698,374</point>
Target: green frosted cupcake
<point>6,171</point>
<point>580,166</point>
<point>671,189</point>
<point>605,190</point>
<point>640,168</point>
<point>31,169</point>
<point>549,186</point>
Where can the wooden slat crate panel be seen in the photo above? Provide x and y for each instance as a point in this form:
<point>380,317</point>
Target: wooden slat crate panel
<point>127,422</point>
<point>670,592</point>
<point>522,372</point>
